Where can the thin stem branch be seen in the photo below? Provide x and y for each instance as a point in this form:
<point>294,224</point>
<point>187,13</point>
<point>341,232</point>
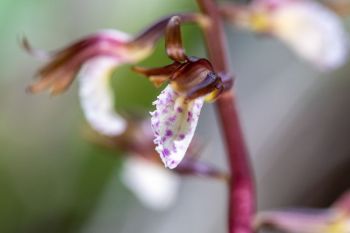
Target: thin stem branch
<point>242,193</point>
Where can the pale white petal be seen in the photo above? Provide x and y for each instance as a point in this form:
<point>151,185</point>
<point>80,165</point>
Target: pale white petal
<point>174,122</point>
<point>115,34</point>
<point>312,31</point>
<point>96,96</point>
<point>154,186</point>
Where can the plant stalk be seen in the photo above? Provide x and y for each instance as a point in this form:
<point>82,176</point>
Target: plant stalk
<point>241,186</point>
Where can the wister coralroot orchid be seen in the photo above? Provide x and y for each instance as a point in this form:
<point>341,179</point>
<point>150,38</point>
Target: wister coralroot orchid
<point>309,28</point>
<point>178,106</point>
<point>93,60</point>
<point>335,219</point>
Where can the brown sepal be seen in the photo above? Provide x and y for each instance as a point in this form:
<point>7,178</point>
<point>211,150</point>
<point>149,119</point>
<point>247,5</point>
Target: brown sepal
<point>173,41</point>
<point>157,75</point>
<point>57,75</point>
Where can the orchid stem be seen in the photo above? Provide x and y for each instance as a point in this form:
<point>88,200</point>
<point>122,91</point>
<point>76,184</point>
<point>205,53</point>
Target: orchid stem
<point>241,185</point>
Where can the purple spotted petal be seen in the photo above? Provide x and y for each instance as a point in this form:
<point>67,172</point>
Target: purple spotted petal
<point>174,122</point>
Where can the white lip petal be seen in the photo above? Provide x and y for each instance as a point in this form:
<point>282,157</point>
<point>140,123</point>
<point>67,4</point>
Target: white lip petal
<point>115,34</point>
<point>313,32</point>
<point>96,96</point>
<point>174,122</point>
<point>154,186</point>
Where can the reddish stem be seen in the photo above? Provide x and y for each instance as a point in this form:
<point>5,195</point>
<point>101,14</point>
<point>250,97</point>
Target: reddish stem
<point>242,193</point>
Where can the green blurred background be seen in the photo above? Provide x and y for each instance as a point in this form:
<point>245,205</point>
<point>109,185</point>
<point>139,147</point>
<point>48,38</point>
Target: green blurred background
<point>53,180</point>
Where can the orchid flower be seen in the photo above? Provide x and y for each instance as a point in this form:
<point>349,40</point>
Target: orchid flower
<point>336,219</point>
<point>310,29</point>
<point>93,59</point>
<point>178,106</point>
<point>307,27</point>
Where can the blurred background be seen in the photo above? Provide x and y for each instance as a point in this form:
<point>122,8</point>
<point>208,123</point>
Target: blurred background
<point>53,180</point>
